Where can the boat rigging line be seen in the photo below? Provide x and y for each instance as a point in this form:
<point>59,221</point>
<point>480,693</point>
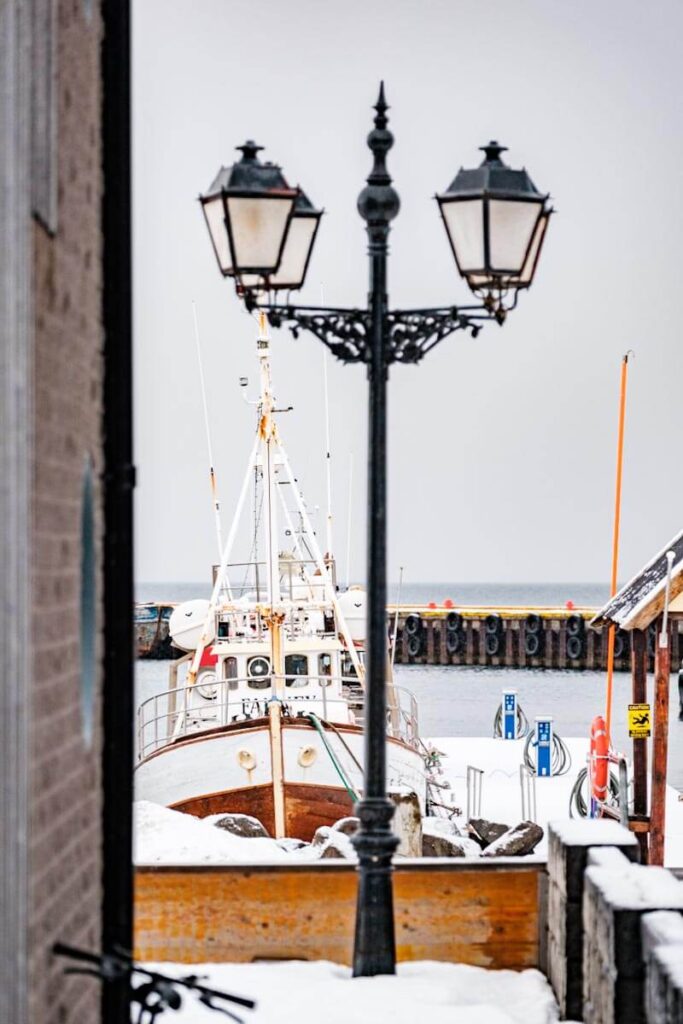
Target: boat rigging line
<point>212,472</point>
<point>346,782</point>
<point>348,524</point>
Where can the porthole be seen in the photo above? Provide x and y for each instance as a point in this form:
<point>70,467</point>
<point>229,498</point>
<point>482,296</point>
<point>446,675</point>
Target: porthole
<point>258,672</point>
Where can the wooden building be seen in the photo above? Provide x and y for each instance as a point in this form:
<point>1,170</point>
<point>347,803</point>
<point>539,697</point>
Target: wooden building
<point>652,598</point>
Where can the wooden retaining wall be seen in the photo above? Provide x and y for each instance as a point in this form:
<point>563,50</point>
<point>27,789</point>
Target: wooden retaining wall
<point>486,914</point>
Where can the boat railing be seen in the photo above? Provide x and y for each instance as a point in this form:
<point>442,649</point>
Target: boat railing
<point>187,710</point>
<point>298,579</point>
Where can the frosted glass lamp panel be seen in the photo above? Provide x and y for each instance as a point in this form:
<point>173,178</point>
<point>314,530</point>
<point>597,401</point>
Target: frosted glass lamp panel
<point>251,280</point>
<point>465,225</point>
<point>258,227</point>
<point>479,280</point>
<point>295,254</point>
<point>526,277</point>
<point>511,226</point>
<point>214,215</point>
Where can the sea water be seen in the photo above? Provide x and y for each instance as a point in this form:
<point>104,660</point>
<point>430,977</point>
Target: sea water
<point>462,700</point>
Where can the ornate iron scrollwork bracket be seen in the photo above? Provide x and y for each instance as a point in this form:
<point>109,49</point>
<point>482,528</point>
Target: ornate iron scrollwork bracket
<point>409,334</point>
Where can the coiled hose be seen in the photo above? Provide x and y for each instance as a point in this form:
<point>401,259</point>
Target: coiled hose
<point>522,724</point>
<point>561,758</point>
<point>578,805</point>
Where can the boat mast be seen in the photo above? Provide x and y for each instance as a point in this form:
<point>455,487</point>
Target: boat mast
<point>274,614</point>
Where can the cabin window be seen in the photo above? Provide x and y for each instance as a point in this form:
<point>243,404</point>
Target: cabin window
<point>230,672</point>
<point>348,667</point>
<point>296,670</point>
<point>258,673</point>
<point>325,669</point>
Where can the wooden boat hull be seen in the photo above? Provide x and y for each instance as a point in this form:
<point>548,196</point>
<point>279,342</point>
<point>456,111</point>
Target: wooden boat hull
<point>228,769</point>
<point>307,806</point>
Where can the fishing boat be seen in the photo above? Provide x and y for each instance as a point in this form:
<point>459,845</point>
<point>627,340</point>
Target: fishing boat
<point>269,719</point>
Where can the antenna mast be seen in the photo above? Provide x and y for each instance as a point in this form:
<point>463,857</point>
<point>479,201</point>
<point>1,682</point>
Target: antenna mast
<point>212,473</point>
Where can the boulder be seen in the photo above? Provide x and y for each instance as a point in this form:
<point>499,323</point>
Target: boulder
<point>347,826</point>
<point>407,822</point>
<point>242,825</point>
<point>436,844</point>
<point>486,832</point>
<point>332,844</point>
<point>440,826</point>
<point>516,842</point>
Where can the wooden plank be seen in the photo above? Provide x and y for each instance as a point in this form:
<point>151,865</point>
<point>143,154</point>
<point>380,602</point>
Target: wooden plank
<point>444,656</point>
<point>486,916</point>
<point>430,642</point>
<point>469,641</point>
<point>547,650</point>
<point>590,648</point>
<point>639,661</point>
<point>660,742</point>
<point>509,635</point>
<point>562,650</point>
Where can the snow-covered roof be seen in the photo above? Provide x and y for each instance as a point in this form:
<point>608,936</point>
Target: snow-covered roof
<point>641,600</point>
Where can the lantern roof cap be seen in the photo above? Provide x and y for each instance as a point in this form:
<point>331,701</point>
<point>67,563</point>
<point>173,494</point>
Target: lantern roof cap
<point>304,205</point>
<point>494,179</point>
<point>250,174</point>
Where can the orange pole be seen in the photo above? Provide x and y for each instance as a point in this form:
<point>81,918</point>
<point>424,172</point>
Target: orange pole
<point>615,543</point>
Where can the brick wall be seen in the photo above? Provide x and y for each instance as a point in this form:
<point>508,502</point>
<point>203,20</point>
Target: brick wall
<point>65,799</point>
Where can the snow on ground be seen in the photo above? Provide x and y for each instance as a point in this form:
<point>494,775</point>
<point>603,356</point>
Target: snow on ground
<point>163,836</point>
<point>324,993</point>
<point>501,792</point>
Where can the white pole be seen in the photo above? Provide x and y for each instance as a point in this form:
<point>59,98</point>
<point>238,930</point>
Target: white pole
<point>268,435</point>
<point>212,473</point>
<point>328,459</point>
<point>348,524</point>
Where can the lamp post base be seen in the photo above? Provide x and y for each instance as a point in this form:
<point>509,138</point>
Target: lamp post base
<point>374,949</point>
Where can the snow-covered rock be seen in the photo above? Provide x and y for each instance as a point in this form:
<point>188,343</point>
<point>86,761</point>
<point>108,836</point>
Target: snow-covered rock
<point>485,832</point>
<point>349,826</point>
<point>163,836</point>
<point>329,844</point>
<point>516,842</point>
<point>242,825</point>
<point>291,845</point>
<point>440,838</point>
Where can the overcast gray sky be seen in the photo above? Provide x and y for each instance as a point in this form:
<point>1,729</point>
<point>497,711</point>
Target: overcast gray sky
<point>502,449</point>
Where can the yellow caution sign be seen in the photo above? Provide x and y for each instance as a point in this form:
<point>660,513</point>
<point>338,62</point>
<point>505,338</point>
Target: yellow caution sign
<point>639,721</point>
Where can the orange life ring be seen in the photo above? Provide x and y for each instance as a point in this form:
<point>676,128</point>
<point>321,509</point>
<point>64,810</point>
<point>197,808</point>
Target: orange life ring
<point>599,758</point>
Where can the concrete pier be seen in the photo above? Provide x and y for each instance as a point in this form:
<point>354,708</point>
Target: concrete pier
<point>529,637</point>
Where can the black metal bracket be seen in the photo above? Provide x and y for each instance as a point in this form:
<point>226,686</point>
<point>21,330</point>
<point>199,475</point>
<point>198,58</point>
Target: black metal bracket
<point>409,334</point>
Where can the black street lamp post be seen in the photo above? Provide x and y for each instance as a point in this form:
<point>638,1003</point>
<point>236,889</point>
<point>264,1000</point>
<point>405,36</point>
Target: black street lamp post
<point>496,222</point>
